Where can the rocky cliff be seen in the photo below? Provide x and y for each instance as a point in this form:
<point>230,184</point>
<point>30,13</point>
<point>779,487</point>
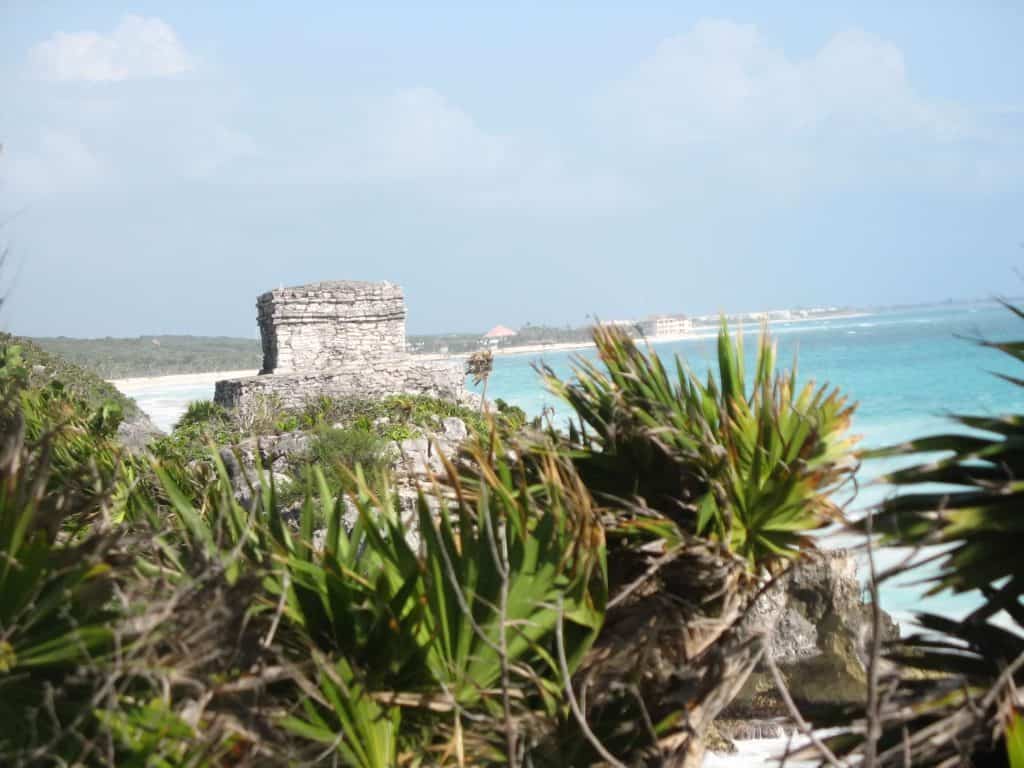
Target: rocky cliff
<point>820,640</point>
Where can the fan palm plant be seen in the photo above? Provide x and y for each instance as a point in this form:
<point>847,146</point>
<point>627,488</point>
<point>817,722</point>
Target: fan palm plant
<point>55,582</point>
<point>708,488</point>
<point>460,630</point>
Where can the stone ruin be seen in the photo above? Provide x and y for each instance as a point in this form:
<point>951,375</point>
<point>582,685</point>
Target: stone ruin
<point>317,327</point>
<point>341,339</point>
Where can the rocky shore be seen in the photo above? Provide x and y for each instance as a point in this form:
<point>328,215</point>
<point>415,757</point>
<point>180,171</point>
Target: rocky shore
<point>820,640</point>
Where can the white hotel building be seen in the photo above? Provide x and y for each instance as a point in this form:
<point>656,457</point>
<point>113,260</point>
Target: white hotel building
<point>666,325</point>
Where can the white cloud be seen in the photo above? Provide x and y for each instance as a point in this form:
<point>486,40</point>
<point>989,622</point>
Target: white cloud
<point>138,48</point>
<point>57,160</point>
<point>721,112</point>
<point>417,133</point>
<point>725,81</point>
<point>716,111</point>
<point>417,140</point>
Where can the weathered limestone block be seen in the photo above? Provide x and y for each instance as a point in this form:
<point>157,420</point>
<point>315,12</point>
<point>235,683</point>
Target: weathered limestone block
<point>324,325</point>
<point>454,429</point>
<point>342,339</point>
<point>293,391</point>
<point>821,634</point>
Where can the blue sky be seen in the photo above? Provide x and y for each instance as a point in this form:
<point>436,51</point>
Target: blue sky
<point>164,163</point>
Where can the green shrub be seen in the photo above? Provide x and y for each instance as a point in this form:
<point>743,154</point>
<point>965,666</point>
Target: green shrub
<point>513,417</point>
<point>42,368</point>
<point>317,412</point>
<point>203,424</point>
<point>288,422</point>
<point>336,451</point>
<point>262,417</point>
<point>709,486</point>
<point>394,418</point>
<point>348,446</point>
<point>59,487</point>
<point>79,436</point>
<point>398,417</point>
<point>156,355</point>
<point>203,412</point>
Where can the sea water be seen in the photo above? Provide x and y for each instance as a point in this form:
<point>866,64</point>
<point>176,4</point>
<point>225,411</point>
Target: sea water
<point>907,371</point>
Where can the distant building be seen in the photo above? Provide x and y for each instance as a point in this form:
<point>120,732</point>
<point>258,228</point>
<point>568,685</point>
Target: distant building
<point>666,325</point>
<point>494,337</point>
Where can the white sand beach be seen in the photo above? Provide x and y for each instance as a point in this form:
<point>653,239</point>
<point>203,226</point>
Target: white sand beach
<point>145,383</point>
<point>699,332</point>
<point>165,398</point>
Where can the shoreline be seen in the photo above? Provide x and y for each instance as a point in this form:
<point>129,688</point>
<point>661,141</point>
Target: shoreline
<point>198,378</point>
<point>204,378</point>
<point>697,334</point>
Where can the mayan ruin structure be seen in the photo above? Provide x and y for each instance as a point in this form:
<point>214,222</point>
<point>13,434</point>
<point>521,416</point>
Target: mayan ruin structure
<point>341,339</point>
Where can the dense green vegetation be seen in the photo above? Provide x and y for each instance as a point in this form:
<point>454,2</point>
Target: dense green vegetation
<point>333,451</point>
<point>156,355</point>
<point>112,358</point>
<point>451,343</point>
<point>463,648</point>
<point>344,433</point>
<point>572,598</point>
<point>83,382</point>
<point>394,418</point>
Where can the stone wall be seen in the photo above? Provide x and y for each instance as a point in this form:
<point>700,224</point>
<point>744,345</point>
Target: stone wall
<point>292,391</point>
<point>340,339</point>
<point>328,325</point>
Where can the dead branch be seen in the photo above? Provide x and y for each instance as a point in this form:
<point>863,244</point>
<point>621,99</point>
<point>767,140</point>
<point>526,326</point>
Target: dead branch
<point>581,720</point>
<point>802,725</point>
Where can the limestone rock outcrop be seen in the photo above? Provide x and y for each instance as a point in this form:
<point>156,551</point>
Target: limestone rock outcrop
<point>341,339</point>
<point>821,636</point>
<point>136,432</point>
